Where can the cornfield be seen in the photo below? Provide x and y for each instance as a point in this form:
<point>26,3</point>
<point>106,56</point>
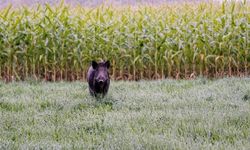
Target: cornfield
<point>143,42</point>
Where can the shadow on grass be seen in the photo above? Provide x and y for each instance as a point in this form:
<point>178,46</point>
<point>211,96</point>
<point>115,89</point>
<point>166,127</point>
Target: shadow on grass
<point>246,97</point>
<point>105,104</point>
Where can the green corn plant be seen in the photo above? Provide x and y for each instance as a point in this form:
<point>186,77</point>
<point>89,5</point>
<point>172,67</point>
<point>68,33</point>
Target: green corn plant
<point>147,42</point>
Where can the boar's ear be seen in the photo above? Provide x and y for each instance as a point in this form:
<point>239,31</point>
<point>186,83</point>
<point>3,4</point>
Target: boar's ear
<point>107,64</point>
<point>94,64</point>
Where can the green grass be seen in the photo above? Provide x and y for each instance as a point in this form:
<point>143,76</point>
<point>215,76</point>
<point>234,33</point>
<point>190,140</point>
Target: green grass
<point>173,114</point>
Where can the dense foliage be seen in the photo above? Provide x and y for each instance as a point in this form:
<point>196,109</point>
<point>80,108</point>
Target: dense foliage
<point>142,42</point>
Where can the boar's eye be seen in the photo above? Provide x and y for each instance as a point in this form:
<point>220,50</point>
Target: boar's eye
<point>94,64</point>
<point>107,64</point>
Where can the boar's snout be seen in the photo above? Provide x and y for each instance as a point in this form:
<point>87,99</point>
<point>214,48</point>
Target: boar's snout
<point>100,81</point>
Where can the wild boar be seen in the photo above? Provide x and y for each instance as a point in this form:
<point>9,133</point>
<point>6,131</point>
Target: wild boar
<point>98,78</point>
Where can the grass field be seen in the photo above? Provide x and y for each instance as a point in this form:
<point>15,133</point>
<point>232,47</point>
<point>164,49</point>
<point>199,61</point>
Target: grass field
<point>173,114</point>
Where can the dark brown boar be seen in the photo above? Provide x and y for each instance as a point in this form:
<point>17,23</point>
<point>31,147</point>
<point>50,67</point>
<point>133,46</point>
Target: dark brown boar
<point>98,78</point>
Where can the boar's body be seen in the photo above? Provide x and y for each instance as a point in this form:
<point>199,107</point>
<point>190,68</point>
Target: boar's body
<point>98,78</point>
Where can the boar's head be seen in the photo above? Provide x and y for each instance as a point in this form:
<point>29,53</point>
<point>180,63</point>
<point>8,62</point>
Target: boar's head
<point>101,76</point>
